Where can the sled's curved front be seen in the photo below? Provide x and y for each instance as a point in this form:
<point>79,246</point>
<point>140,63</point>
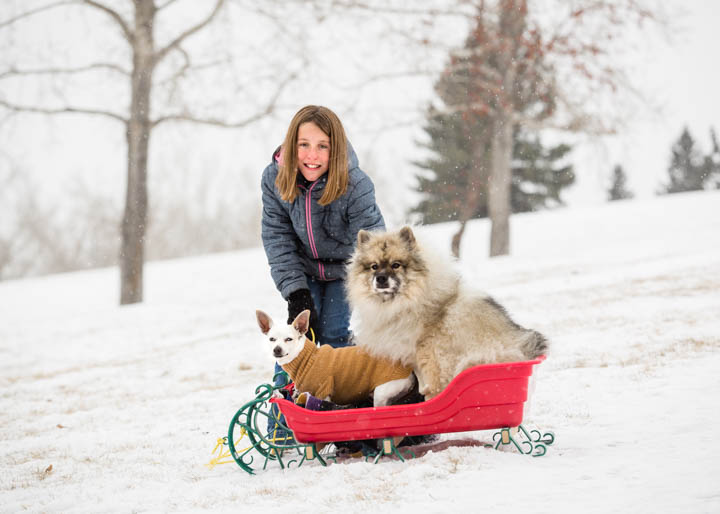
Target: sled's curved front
<point>480,398</point>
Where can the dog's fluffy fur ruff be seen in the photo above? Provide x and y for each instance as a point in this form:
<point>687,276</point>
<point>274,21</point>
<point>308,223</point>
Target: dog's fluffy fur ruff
<point>413,308</point>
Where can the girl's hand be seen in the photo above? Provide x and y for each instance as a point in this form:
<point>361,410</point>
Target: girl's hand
<point>299,301</point>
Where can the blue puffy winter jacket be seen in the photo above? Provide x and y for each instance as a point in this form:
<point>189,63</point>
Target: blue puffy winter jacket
<point>305,238</point>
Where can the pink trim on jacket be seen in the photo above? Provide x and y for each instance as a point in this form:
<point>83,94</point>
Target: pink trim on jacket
<point>279,156</point>
<point>308,224</point>
<point>308,217</point>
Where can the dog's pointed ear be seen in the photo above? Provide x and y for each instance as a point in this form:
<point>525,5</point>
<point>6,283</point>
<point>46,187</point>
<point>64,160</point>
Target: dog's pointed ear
<point>363,237</point>
<point>302,322</point>
<point>406,234</point>
<point>264,321</point>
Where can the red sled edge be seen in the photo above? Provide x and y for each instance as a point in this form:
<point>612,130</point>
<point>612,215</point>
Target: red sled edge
<point>483,397</point>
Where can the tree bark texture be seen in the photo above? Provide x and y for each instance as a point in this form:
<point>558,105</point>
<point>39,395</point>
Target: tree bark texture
<point>513,17</point>
<point>475,190</point>
<point>135,218</point>
<point>499,204</point>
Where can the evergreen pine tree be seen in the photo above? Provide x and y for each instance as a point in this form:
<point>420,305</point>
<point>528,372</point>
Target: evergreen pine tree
<point>618,189</point>
<point>688,168</point>
<point>455,183</point>
<point>451,170</point>
<point>538,172</point>
<point>712,162</point>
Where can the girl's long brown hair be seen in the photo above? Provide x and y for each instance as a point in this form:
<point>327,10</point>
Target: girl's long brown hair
<point>337,174</point>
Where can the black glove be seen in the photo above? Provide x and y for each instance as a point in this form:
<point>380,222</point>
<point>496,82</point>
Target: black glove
<point>298,301</point>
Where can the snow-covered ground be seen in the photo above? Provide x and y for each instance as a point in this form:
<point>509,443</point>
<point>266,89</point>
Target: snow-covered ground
<point>126,403</point>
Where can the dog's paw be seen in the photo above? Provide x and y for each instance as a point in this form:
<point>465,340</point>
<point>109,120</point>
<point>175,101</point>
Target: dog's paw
<point>428,392</point>
<point>278,395</point>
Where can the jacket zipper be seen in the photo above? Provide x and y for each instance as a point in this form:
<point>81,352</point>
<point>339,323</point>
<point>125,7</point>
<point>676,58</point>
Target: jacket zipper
<point>308,224</point>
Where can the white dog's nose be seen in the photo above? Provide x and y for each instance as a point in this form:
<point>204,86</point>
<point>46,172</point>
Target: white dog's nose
<point>277,351</point>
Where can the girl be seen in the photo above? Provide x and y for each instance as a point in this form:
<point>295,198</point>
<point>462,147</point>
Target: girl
<point>315,200</point>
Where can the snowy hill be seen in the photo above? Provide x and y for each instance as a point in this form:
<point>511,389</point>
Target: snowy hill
<point>126,403</point>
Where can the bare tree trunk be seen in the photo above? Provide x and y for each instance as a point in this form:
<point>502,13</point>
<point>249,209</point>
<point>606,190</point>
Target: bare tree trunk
<point>6,255</point>
<point>512,23</point>
<point>499,205</point>
<point>475,190</point>
<point>134,225</point>
<point>457,239</point>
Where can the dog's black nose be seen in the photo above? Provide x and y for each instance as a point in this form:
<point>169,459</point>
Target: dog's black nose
<point>277,351</point>
<point>381,281</point>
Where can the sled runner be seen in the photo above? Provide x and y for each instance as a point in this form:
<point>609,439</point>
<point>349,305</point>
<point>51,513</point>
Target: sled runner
<point>490,396</point>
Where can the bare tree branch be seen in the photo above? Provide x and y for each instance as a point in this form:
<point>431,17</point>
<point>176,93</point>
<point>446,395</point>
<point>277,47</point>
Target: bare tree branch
<point>381,130</point>
<point>13,72</point>
<point>213,121</point>
<point>160,55</point>
<point>271,106</point>
<point>187,65</point>
<point>35,11</point>
<point>384,8</point>
<point>127,32</point>
<point>382,77</point>
<point>168,3</point>
<point>61,110</point>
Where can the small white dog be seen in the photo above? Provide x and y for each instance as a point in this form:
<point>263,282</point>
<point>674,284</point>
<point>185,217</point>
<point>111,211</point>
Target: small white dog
<point>346,375</point>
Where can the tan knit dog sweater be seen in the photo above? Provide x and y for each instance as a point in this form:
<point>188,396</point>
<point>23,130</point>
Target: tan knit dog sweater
<point>346,375</point>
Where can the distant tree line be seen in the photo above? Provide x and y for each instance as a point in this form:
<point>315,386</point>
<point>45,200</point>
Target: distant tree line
<point>43,237</point>
<point>454,178</point>
<point>689,169</point>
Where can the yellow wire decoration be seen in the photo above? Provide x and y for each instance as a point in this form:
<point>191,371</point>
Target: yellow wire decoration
<point>224,456</point>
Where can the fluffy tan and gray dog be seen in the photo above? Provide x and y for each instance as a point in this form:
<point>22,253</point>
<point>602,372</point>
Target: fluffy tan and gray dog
<point>414,308</point>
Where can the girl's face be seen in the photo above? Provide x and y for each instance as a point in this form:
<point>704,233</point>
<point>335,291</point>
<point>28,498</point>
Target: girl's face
<point>313,151</point>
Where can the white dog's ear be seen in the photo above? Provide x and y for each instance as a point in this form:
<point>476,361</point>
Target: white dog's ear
<point>302,322</point>
<point>363,237</point>
<point>406,234</point>
<point>264,321</point>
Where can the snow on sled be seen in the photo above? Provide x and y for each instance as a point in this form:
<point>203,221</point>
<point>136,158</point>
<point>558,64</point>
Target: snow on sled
<point>490,396</point>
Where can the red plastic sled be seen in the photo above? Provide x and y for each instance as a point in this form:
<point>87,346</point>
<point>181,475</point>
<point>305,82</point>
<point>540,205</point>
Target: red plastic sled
<point>480,398</point>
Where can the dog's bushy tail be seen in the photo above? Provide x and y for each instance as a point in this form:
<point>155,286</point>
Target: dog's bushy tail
<point>535,344</point>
